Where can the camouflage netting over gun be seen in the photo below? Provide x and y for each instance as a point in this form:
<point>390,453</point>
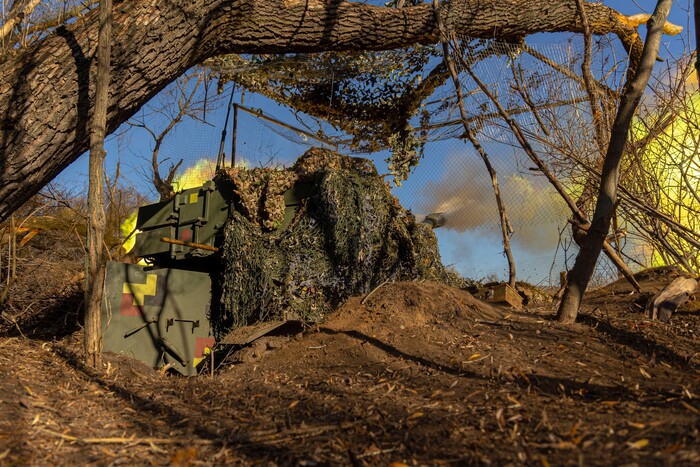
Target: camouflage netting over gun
<point>349,236</point>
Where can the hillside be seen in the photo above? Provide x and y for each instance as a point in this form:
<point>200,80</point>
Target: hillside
<point>420,374</point>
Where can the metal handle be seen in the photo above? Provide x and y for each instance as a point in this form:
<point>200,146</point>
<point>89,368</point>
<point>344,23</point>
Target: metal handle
<point>172,321</point>
<point>168,347</point>
<point>137,329</point>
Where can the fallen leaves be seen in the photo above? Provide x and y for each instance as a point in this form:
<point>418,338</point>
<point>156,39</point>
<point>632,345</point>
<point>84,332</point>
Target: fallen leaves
<point>407,402</point>
<point>639,444</point>
<point>500,419</point>
<point>690,407</point>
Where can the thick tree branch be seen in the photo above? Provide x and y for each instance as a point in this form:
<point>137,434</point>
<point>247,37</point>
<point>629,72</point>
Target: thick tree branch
<point>47,91</point>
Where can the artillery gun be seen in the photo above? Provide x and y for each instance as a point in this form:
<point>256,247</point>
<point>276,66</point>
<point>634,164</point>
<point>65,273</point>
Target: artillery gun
<point>221,268</point>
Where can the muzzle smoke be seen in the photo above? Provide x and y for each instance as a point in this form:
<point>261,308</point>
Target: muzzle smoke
<point>466,201</point>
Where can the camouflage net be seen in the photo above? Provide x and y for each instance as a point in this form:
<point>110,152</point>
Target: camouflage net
<point>348,236</point>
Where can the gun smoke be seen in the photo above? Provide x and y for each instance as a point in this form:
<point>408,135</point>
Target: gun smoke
<point>466,200</point>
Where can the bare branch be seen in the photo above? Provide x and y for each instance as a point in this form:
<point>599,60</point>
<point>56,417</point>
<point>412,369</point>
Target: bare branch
<point>506,228</point>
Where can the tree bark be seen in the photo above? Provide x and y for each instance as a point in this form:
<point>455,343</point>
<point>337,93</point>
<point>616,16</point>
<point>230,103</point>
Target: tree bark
<point>47,91</point>
<point>96,202</point>
<point>581,273</point>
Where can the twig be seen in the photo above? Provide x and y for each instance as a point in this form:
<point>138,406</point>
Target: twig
<point>466,362</point>
<point>496,323</point>
<point>362,302</point>
<point>130,440</point>
<point>378,452</point>
<point>292,433</point>
<point>588,80</point>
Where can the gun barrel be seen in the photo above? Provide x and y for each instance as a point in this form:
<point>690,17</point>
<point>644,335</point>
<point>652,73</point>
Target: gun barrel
<point>434,220</point>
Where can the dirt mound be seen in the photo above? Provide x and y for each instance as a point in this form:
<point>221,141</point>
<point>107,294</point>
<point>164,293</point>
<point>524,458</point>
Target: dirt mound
<point>410,305</point>
<point>415,313</point>
<point>416,373</point>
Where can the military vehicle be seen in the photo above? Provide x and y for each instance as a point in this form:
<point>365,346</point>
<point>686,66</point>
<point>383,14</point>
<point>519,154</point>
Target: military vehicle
<point>159,313</point>
<point>173,310</point>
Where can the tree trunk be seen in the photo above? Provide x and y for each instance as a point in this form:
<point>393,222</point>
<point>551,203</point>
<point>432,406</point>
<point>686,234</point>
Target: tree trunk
<point>96,202</point>
<point>46,92</point>
<point>581,273</point>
